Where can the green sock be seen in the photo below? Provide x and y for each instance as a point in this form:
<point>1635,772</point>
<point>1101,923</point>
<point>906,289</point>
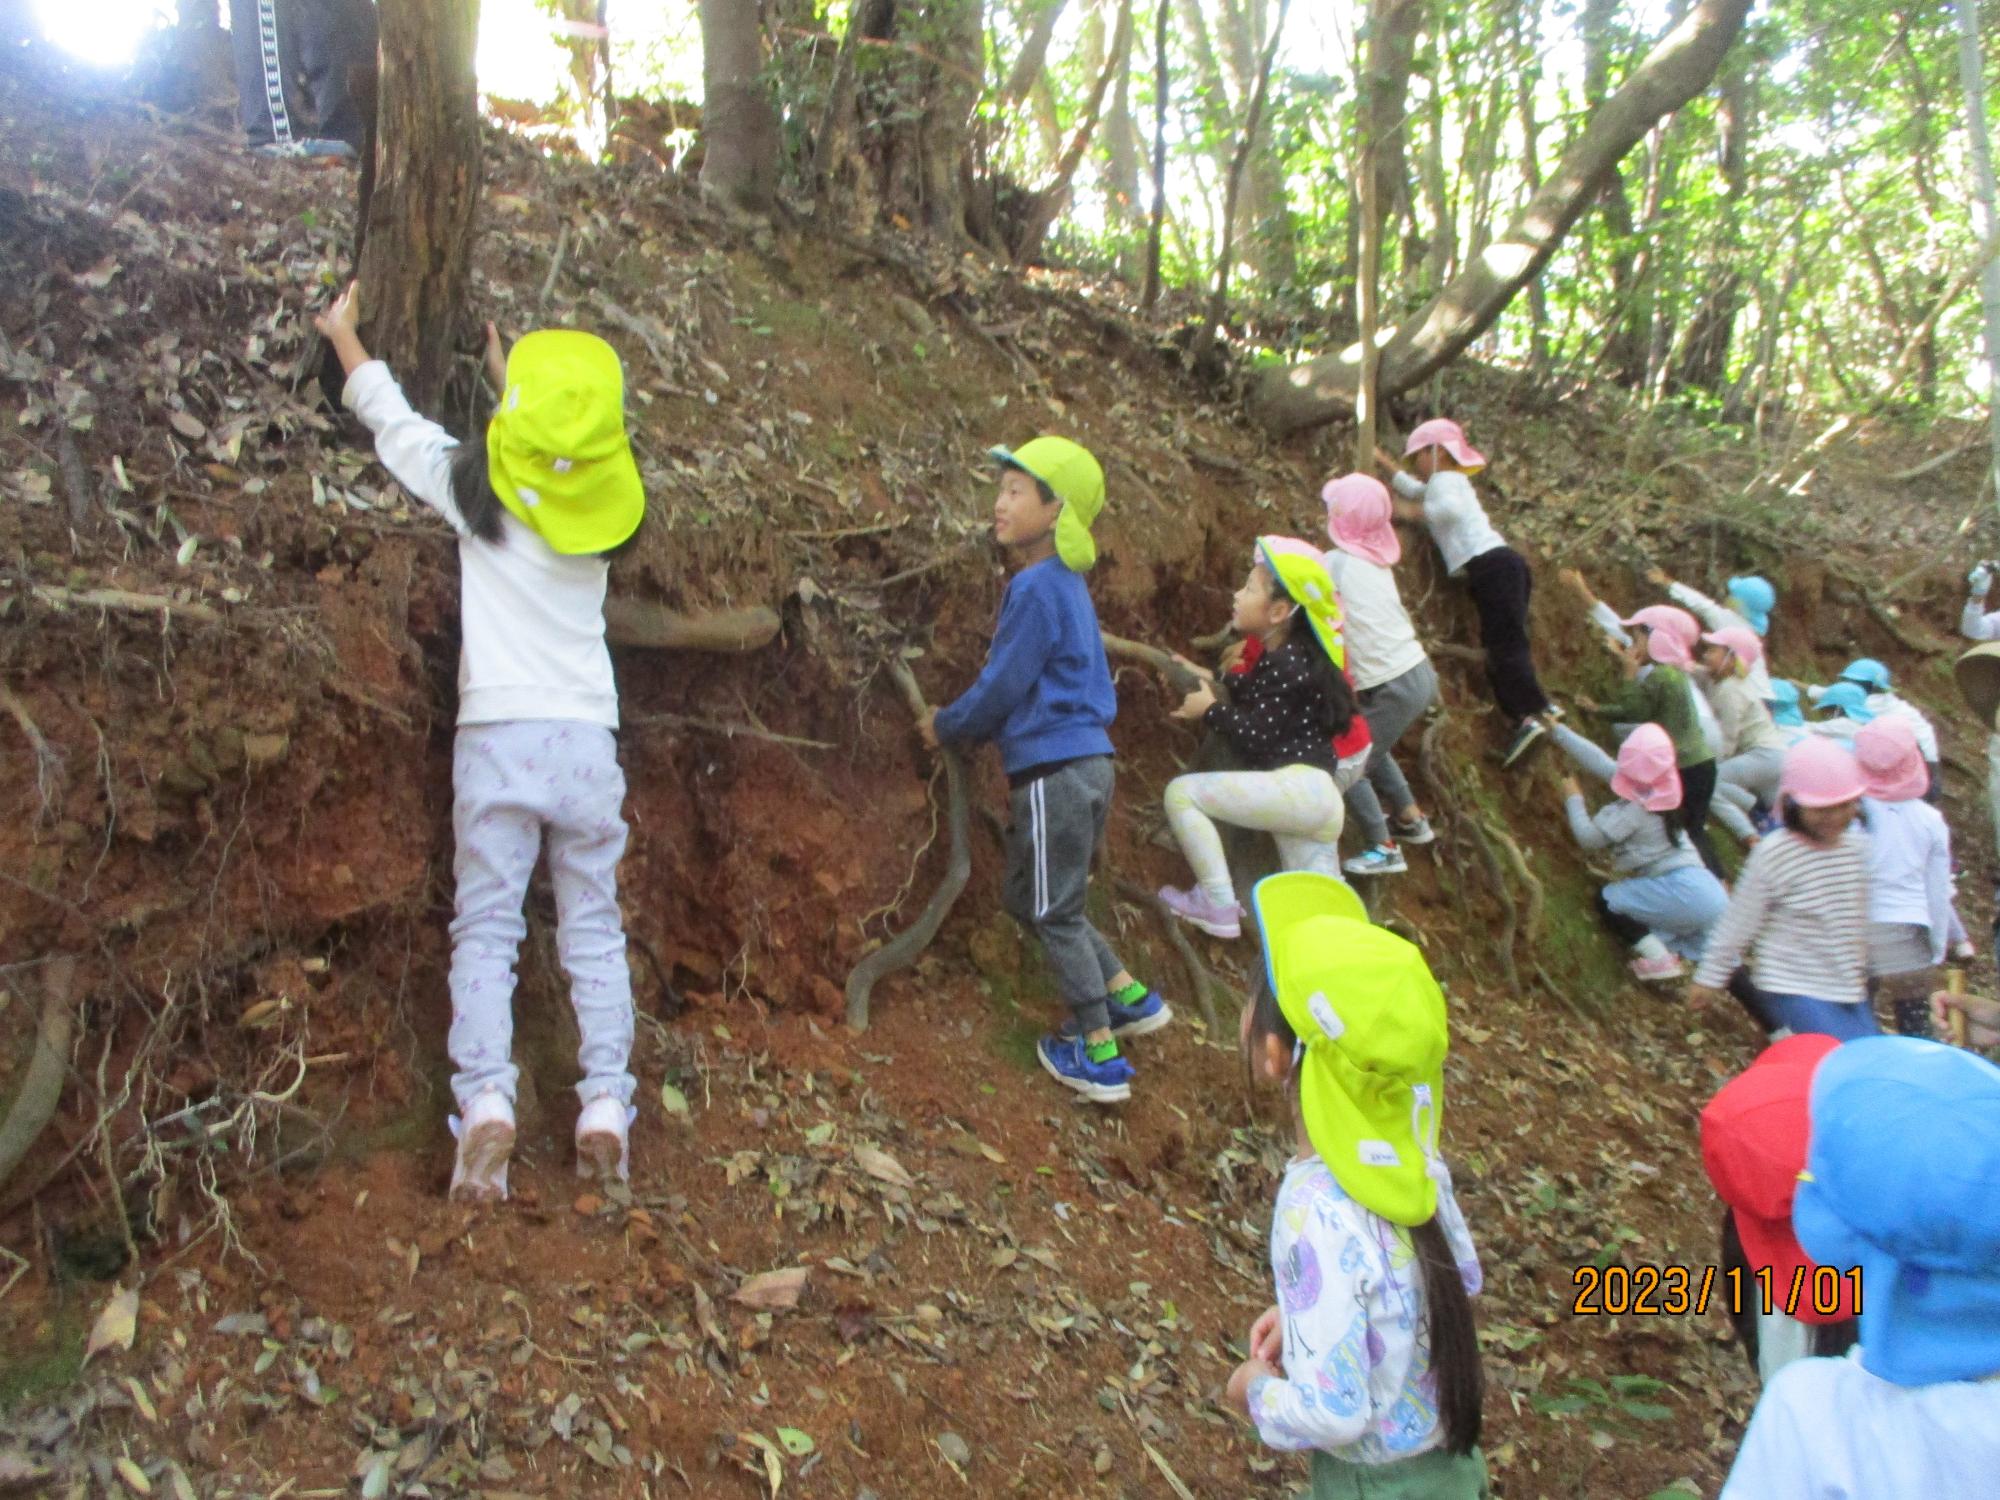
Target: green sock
<point>1102,1051</point>
<point>1132,994</point>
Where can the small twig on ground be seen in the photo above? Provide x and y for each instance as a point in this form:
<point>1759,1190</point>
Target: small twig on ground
<point>555,267</point>
<point>944,559</point>
<point>127,602</point>
<point>48,763</point>
<point>638,328</point>
<point>728,731</point>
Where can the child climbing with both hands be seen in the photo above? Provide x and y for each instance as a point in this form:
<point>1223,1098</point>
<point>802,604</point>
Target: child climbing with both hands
<point>1657,656</point>
<point>1911,921</point>
<point>1667,902</point>
<point>1394,680</point>
<point>1747,606</point>
<point>1369,1360</point>
<point>537,502</point>
<point>1440,495</point>
<point>1898,1188</point>
<point>1801,903</point>
<point>1045,697</point>
<point>1285,713</point>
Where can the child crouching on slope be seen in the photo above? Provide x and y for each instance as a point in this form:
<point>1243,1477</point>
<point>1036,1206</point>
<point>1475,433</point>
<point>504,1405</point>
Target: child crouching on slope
<point>1045,697</point>
<point>1667,902</point>
<point>1369,1360</point>
<point>537,503</point>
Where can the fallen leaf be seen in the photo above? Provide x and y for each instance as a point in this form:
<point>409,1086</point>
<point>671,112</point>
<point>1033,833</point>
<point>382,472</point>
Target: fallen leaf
<point>957,1452</point>
<point>98,277</point>
<point>774,1461</point>
<point>773,1291</point>
<point>134,1476</point>
<point>674,1102</point>
<point>882,1167</point>
<point>797,1443</point>
<point>116,1324</point>
<point>191,428</point>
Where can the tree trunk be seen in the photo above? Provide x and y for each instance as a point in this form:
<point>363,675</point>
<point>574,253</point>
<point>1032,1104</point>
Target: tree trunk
<point>1985,223</point>
<point>957,30</point>
<point>1624,356</point>
<point>1680,66</point>
<point>1704,364</point>
<point>1049,200</point>
<point>1122,145</point>
<point>739,123</point>
<point>1370,198</point>
<point>1034,54</point>
<point>1383,109</point>
<point>1150,294</point>
<point>1219,299</point>
<point>418,249</point>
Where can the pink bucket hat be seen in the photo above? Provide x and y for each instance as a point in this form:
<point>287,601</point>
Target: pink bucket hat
<point>1820,772</point>
<point>1670,634</point>
<point>1891,764</point>
<point>1740,642</point>
<point>1442,432</point>
<point>1359,519</point>
<point>1646,772</point>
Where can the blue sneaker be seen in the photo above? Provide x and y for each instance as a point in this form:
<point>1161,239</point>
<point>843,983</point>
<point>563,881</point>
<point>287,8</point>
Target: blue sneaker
<point>1066,1060</point>
<point>1148,1016</point>
<point>1377,859</point>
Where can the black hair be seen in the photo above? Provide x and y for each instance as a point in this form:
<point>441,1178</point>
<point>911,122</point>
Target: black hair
<point>472,491</point>
<point>1461,1378</point>
<point>1049,496</point>
<point>1823,1340</point>
<point>1338,704</point>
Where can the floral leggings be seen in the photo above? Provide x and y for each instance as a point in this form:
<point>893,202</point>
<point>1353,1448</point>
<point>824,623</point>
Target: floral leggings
<point>1298,804</point>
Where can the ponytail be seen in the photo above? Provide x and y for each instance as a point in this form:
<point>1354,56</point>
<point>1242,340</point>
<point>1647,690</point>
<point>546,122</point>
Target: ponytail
<point>1461,1381</point>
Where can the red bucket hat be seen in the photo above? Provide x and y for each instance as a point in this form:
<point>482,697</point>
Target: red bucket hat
<point>1754,1135</point>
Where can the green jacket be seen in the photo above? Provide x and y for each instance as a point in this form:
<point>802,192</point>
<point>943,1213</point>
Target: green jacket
<point>1665,697</point>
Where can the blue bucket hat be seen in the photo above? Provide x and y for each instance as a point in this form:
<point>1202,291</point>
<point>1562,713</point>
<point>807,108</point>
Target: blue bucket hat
<point>1785,703</point>
<point>1848,698</point>
<point>1870,673</point>
<point>1755,599</point>
<point>1899,1181</point>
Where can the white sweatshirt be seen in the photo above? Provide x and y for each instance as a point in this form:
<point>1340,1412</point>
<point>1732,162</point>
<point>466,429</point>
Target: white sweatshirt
<point>532,619</point>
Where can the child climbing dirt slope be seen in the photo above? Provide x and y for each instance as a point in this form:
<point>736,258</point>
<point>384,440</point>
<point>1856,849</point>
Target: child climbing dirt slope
<point>227,658</point>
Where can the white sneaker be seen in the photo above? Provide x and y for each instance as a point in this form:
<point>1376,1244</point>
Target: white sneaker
<point>485,1141</point>
<point>603,1138</point>
<point>1659,970</point>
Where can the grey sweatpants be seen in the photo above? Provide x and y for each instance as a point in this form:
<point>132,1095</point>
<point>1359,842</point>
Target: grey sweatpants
<point>1390,708</point>
<point>514,785</point>
<point>1057,821</point>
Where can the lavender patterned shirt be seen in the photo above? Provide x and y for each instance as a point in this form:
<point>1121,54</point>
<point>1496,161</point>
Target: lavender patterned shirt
<point>1358,1377</point>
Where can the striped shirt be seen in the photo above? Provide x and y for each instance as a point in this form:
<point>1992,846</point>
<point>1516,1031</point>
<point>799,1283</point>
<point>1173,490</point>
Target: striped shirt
<point>1804,910</point>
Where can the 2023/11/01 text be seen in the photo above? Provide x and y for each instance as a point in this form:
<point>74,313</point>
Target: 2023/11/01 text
<point>1672,1291</point>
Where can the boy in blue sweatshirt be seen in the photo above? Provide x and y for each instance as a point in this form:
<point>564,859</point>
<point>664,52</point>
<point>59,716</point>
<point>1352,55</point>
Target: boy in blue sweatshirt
<point>1045,697</point>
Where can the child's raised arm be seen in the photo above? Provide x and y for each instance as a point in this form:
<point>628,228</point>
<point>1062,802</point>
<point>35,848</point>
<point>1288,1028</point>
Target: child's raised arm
<point>337,325</point>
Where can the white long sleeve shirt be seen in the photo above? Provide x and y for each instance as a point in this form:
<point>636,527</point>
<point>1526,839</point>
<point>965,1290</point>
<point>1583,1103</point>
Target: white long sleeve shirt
<point>532,619</point>
<point>1909,868</point>
<point>1357,1381</point>
<point>1827,1429</point>
<point>1976,624</point>
<point>1382,644</point>
<point>1456,519</point>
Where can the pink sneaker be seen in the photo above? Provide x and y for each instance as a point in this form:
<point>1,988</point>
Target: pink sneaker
<point>1212,917</point>
<point>603,1139</point>
<point>1657,970</point>
<point>485,1141</point>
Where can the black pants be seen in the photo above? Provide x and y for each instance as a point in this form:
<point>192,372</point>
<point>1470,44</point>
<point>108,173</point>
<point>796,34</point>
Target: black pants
<point>1501,587</point>
<point>1697,791</point>
<point>292,63</point>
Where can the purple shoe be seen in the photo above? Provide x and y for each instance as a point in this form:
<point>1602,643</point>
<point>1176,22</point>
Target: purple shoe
<point>1217,919</point>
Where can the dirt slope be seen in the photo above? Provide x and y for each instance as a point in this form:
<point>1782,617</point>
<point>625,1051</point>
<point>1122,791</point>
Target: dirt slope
<point>240,826</point>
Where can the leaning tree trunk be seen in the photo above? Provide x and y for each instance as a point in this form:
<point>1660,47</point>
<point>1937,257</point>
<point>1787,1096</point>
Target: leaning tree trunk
<point>418,246</point>
<point>739,123</point>
<point>1972,77</point>
<point>1680,66</point>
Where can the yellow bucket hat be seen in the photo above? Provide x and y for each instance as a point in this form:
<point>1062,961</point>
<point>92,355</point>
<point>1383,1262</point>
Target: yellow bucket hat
<point>556,449</point>
<point>1371,1021</point>
<point>1073,473</point>
<point>1302,574</point>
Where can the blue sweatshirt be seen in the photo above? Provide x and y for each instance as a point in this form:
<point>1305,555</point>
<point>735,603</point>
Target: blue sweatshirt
<point>1045,693</point>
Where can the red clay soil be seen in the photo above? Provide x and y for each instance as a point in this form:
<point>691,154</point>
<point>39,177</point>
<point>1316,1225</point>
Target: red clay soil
<point>246,841</point>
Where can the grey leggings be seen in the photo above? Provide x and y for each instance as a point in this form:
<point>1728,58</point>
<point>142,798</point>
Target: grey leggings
<point>1741,782</point>
<point>1390,710</point>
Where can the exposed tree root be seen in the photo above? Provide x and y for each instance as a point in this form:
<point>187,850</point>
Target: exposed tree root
<point>41,1089</point>
<point>902,950</point>
<point>1206,985</point>
<point>638,622</point>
